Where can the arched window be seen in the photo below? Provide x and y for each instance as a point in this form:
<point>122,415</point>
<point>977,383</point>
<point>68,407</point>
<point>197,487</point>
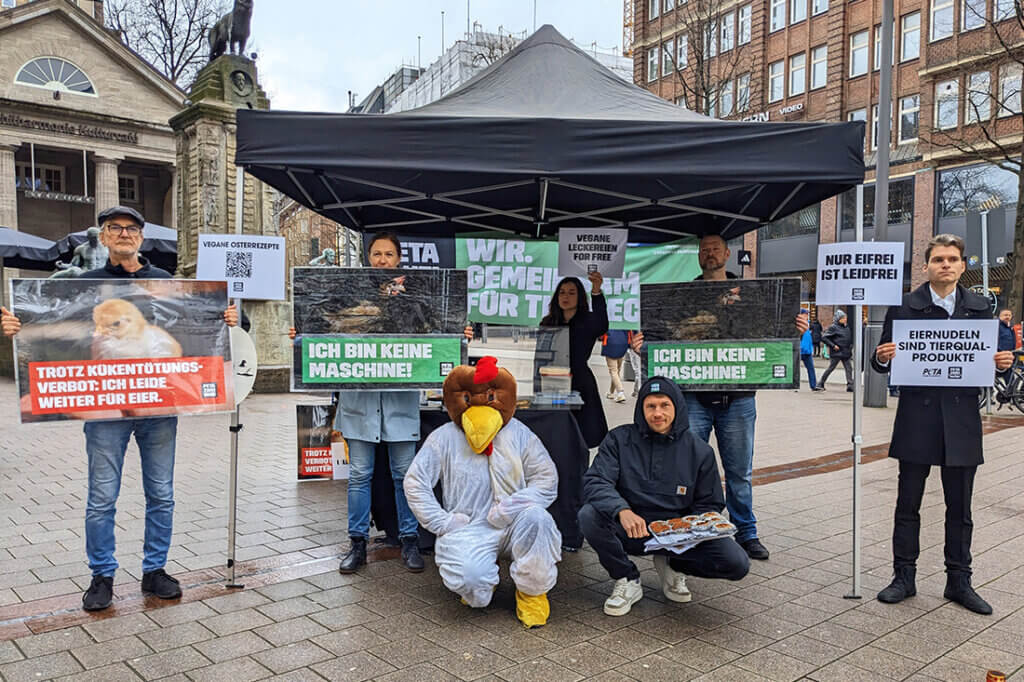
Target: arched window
<point>54,73</point>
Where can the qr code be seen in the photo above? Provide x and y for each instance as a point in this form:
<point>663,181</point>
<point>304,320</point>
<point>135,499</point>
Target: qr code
<point>209,390</point>
<point>238,264</point>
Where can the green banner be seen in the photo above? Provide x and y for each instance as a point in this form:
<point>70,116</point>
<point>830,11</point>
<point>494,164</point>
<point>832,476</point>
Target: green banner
<point>725,365</point>
<point>511,281</point>
<point>369,361</point>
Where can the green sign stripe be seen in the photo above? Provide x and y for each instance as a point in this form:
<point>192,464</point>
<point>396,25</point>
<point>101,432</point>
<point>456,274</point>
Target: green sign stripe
<point>388,360</point>
<point>734,363</point>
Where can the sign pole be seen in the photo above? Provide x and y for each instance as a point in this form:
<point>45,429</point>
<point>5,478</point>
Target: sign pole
<point>236,425</point>
<point>858,409</point>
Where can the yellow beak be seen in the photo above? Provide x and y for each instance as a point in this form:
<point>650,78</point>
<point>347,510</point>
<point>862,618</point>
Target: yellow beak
<point>481,424</point>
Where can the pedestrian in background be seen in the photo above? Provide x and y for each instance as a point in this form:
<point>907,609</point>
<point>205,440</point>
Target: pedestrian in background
<point>816,337</point>
<point>839,340</point>
<point>807,354</point>
<point>613,348</point>
<point>636,363</point>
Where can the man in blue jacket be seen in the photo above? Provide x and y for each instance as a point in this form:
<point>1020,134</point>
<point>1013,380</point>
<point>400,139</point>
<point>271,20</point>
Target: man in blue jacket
<point>654,469</point>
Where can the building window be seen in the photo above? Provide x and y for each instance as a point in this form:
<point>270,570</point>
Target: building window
<point>979,91</point>
<point>972,14</point>
<point>653,8</point>
<point>652,64</point>
<point>910,108</point>
<point>797,10</point>
<point>1004,10</point>
<point>314,245</point>
<point>682,45</point>
<point>711,38</point>
<point>743,92</point>
<point>874,125</point>
<point>797,74</point>
<point>819,6</point>
<point>47,178</point>
<point>858,54</point>
<point>128,189</point>
<point>942,19</point>
<point>728,31</point>
<point>1009,89</point>
<point>965,189</point>
<point>946,104</point>
<point>778,15</point>
<point>776,80</point>
<point>54,73</point>
<point>668,49</point>
<point>857,115</point>
<point>901,205</point>
<point>911,44</point>
<point>8,3</point>
<point>668,6</point>
<point>725,100</point>
<point>711,104</point>
<point>819,66</point>
<point>743,19</point>
<point>802,222</point>
<point>878,45</point>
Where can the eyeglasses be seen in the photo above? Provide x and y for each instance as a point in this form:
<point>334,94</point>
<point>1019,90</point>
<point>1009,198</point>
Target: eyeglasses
<point>131,230</point>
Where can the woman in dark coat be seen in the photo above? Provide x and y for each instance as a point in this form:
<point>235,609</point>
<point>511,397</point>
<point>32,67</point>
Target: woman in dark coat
<point>569,307</point>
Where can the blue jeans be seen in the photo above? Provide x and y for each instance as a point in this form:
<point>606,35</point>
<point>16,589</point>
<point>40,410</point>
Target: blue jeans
<point>734,431</point>
<point>809,364</point>
<point>105,444</point>
<point>361,455</point>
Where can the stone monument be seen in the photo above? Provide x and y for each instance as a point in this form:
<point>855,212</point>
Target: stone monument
<point>206,194</point>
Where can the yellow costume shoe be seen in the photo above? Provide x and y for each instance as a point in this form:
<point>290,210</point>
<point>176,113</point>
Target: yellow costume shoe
<point>532,611</point>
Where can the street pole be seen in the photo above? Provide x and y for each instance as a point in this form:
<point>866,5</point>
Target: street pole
<point>984,284</point>
<point>858,412</point>
<point>236,425</point>
<point>876,385</point>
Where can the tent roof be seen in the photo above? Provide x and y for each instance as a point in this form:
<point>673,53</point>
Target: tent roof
<point>24,250</point>
<point>545,138</point>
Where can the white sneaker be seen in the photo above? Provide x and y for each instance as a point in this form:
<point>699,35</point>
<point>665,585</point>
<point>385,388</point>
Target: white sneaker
<point>609,395</point>
<point>626,593</point>
<point>673,583</point>
<point>620,397</point>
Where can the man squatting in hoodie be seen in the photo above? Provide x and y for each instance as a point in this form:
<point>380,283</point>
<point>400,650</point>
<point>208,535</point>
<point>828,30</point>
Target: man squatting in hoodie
<point>653,469</point>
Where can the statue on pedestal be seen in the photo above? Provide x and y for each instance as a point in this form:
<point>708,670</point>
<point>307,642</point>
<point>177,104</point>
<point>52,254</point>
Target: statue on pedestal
<point>231,32</point>
<point>90,255</point>
<point>326,258</point>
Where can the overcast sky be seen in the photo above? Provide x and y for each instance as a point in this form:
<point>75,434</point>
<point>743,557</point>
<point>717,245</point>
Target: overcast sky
<point>312,52</point>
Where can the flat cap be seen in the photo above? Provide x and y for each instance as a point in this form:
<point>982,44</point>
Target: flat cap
<point>121,211</point>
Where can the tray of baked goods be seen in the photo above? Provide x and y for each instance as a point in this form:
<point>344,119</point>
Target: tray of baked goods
<point>680,534</point>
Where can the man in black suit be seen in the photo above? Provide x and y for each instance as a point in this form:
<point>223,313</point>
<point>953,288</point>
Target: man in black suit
<point>936,427</point>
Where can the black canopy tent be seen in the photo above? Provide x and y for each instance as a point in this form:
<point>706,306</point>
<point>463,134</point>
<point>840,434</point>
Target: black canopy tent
<point>545,138</point>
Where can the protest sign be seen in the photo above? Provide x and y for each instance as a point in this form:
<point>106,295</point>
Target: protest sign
<point>947,353</point>
<point>423,252</point>
<point>511,281</point>
<point>313,430</point>
<point>585,250</point>
<point>121,349</point>
<point>865,273</point>
<point>253,266</point>
<point>325,362</point>
<point>733,311</point>
<point>713,365</point>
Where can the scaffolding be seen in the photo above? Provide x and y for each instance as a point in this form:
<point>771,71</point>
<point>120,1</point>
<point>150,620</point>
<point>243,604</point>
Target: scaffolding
<point>627,28</point>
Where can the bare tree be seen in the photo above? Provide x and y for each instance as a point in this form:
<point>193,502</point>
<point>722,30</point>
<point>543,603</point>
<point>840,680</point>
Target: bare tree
<point>169,34</point>
<point>711,58</point>
<point>991,105</point>
<point>490,47</point>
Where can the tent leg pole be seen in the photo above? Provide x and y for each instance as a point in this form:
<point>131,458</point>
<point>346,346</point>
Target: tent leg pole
<point>236,425</point>
<point>858,413</point>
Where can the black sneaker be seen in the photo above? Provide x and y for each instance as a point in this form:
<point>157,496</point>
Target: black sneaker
<point>754,549</point>
<point>160,584</point>
<point>100,593</point>
<point>411,553</point>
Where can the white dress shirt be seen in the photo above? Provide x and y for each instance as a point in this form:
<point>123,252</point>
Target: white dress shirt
<point>947,302</point>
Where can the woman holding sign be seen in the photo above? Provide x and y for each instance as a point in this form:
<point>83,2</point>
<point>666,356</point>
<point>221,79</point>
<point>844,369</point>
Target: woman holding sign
<point>366,418</point>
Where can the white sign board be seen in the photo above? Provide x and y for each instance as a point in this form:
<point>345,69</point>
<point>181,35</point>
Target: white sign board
<point>253,266</point>
<point>583,250</point>
<point>243,357</point>
<point>339,461</point>
<point>946,353</point>
<point>864,273</point>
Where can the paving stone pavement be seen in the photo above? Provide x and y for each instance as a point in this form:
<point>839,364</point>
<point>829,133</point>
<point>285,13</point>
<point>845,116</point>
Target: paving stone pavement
<point>298,619</point>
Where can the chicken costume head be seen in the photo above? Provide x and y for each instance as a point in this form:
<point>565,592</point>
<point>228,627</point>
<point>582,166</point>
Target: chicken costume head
<point>480,400</point>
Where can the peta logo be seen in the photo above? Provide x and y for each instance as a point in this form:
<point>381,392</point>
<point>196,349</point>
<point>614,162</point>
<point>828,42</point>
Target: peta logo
<point>857,294</point>
<point>955,372</point>
<point>446,368</point>
<point>779,371</point>
<point>931,372</point>
<point>209,390</point>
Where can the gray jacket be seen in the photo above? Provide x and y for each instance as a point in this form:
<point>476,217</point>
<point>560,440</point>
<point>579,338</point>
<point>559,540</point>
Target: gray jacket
<point>375,416</point>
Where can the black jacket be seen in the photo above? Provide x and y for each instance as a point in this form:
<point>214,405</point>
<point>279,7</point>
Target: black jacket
<point>656,476</point>
<point>710,398</point>
<point>816,332</point>
<point>937,426</point>
<point>839,335</point>
<point>110,271</point>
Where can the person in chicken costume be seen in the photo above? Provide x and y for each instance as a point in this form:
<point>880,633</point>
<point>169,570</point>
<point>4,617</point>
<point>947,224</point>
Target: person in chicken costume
<point>497,480</point>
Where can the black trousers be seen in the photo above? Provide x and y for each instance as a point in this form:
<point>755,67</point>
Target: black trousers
<point>957,488</point>
<point>847,367</point>
<point>722,558</point>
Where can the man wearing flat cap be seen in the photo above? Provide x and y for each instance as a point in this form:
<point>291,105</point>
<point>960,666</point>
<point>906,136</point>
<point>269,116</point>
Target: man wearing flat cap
<point>106,441</point>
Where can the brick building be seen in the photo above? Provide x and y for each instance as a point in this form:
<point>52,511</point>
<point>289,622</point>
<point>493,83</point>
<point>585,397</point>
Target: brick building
<point>307,234</point>
<point>817,60</point>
